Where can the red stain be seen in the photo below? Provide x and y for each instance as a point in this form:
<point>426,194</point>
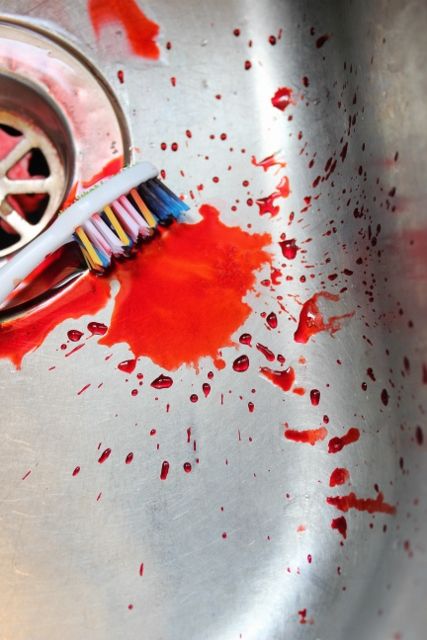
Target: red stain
<point>180,299</point>
<point>371,505</point>
<point>308,436</point>
<point>283,187</point>
<point>110,169</point>
<point>337,444</point>
<point>104,456</point>
<point>321,40</point>
<point>140,31</point>
<point>282,98</point>
<point>283,379</point>
<point>127,366</point>
<point>266,163</point>
<point>340,524</point>
<point>164,470</point>
<point>289,248</point>
<point>311,320</point>
<point>339,476</point>
<point>267,205</point>
<point>266,352</point>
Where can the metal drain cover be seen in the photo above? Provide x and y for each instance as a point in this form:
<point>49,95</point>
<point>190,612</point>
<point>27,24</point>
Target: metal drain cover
<point>60,125</point>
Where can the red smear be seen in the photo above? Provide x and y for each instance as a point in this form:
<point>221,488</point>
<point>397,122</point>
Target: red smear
<point>127,366</point>
<point>141,32</point>
<point>83,389</point>
<point>282,98</point>
<point>340,524</point>
<point>110,169</point>
<point>104,456</point>
<point>266,163</point>
<point>337,444</point>
<point>283,188</point>
<point>308,436</point>
<point>339,476</point>
<point>371,505</point>
<point>321,41</point>
<point>289,248</point>
<point>266,352</point>
<point>164,470</point>
<point>283,379</point>
<point>180,299</point>
<point>311,320</point>
<point>24,334</point>
<point>141,569</point>
<point>266,205</point>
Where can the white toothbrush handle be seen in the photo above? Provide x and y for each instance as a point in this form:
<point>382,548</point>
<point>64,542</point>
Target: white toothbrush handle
<point>24,262</point>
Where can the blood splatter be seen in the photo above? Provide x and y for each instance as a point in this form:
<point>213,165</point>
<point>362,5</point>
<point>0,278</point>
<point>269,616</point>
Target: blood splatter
<point>74,335</point>
<point>340,524</point>
<point>283,379</point>
<point>140,31</point>
<point>127,366</point>
<point>338,443</point>
<point>241,364</point>
<point>338,477</point>
<point>104,456</point>
<point>282,98</point>
<point>268,162</point>
<point>245,338</point>
<point>311,320</point>
<point>162,382</point>
<point>289,248</point>
<point>371,505</point>
<point>321,40</point>
<point>315,397</point>
<point>308,436</point>
<point>266,352</point>
<point>164,470</point>
<point>283,188</point>
<point>272,320</point>
<point>267,205</point>
<point>97,328</point>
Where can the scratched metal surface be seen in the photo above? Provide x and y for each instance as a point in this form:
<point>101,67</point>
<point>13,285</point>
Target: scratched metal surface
<point>69,563</point>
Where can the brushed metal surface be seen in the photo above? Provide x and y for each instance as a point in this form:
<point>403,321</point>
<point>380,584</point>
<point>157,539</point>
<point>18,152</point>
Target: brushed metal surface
<point>70,558</point>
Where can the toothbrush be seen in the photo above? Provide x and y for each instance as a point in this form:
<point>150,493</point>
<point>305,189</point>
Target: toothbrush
<point>106,222</point>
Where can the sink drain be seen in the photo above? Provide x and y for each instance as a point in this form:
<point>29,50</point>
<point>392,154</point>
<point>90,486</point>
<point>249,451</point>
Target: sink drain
<point>60,125</point>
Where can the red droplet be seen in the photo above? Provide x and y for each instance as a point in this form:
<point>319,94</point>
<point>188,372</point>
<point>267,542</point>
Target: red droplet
<point>370,505</point>
<point>283,189</point>
<point>321,40</point>
<point>282,98</point>
<point>248,65</point>
<point>164,470</point>
<point>245,338</point>
<point>236,32</point>
<point>104,456</point>
<point>129,458</point>
<point>283,379</point>
<point>173,81</point>
<point>338,477</point>
<point>272,320</point>
<point>340,524</point>
<point>419,435</point>
<point>141,569</point>
<point>187,467</point>
<point>311,320</point>
<point>206,389</point>
<point>289,248</point>
<point>76,471</point>
<point>194,397</point>
<point>266,163</point>
<point>251,407</point>
<point>74,335</point>
<point>307,436</point>
<point>315,397</point>
<point>384,397</point>
<point>127,365</point>
<point>121,76</point>
<point>266,352</point>
<point>174,146</point>
<point>162,382</point>
<point>97,328</point>
<point>241,364</point>
<point>337,444</point>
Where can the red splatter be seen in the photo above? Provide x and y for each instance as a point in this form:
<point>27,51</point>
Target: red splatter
<point>162,382</point>
<point>289,248</point>
<point>104,456</point>
<point>340,524</point>
<point>97,328</point>
<point>76,471</point>
<point>315,397</point>
<point>384,397</point>
<point>206,388</point>
<point>283,379</point>
<point>311,320</point>
<point>272,320</point>
<point>337,444</point>
<point>266,352</point>
<point>283,188</point>
<point>339,476</point>
<point>245,338</point>
<point>127,365</point>
<point>371,505</point>
<point>141,32</point>
<point>83,389</point>
<point>164,470</point>
<point>129,458</point>
<point>74,335</point>
<point>121,76</point>
<point>187,467</point>
<point>181,297</point>
<point>266,163</point>
<point>266,205</point>
<point>321,40</point>
<point>141,569</point>
<point>419,436</point>
<point>241,364</point>
<point>110,169</point>
<point>282,98</point>
<point>308,436</point>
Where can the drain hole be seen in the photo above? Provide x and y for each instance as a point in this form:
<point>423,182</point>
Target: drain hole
<point>7,239</point>
<point>14,133</point>
<point>37,165</point>
<point>30,206</point>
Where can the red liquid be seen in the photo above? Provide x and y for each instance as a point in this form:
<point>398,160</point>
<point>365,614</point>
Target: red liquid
<point>162,382</point>
<point>104,456</point>
<point>127,365</point>
<point>266,205</point>
<point>187,467</point>
<point>371,505</point>
<point>74,335</point>
<point>337,444</point>
<point>283,379</point>
<point>340,524</point>
<point>164,470</point>
<point>129,458</point>
<point>272,320</point>
<point>266,352</point>
<point>282,98</point>
<point>97,328</point>
<point>311,320</point>
<point>308,436</point>
<point>241,364</point>
<point>245,338</point>
<point>266,163</point>
<point>315,397</point>
<point>206,387</point>
<point>283,188</point>
<point>321,41</point>
<point>289,249</point>
<point>338,477</point>
<point>140,31</point>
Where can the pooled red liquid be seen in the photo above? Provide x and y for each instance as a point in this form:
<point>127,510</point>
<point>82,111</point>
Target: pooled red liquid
<point>140,31</point>
<point>371,505</point>
<point>241,364</point>
<point>282,98</point>
<point>337,444</point>
<point>283,379</point>
<point>308,436</point>
<point>339,476</point>
<point>311,320</point>
<point>340,524</point>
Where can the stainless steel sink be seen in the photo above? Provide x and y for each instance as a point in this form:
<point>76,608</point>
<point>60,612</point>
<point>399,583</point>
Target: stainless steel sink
<point>354,140</point>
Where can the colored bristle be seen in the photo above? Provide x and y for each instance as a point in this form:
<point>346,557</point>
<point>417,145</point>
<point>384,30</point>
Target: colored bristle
<point>134,216</point>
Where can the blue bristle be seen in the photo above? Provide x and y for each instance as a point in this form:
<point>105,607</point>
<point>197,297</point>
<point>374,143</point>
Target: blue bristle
<point>182,206</point>
<point>160,201</point>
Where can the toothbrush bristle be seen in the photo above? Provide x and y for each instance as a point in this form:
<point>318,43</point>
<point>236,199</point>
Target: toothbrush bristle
<point>114,231</point>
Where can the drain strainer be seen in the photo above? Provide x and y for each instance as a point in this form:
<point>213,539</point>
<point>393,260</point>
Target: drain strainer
<point>60,125</point>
